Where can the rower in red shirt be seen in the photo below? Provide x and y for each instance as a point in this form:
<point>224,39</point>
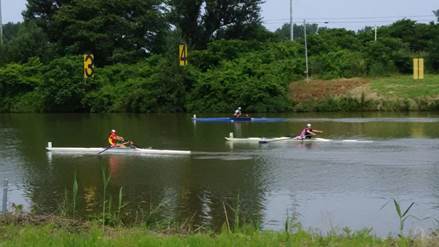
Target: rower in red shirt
<point>117,141</point>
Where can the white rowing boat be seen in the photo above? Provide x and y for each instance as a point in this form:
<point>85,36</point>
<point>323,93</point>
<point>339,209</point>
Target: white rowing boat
<point>79,150</point>
<point>276,139</point>
<point>231,138</point>
<point>256,139</point>
<point>263,140</point>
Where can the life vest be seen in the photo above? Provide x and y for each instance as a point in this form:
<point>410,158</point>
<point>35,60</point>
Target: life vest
<point>304,132</point>
<point>112,139</point>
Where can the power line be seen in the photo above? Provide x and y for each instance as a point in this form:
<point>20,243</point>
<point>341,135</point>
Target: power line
<point>353,18</point>
<point>347,22</point>
<point>333,22</point>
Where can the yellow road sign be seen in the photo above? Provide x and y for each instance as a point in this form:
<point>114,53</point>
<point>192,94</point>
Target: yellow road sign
<point>182,54</point>
<point>88,65</point>
<point>418,68</point>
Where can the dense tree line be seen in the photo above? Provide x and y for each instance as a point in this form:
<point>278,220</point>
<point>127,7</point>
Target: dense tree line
<point>233,59</point>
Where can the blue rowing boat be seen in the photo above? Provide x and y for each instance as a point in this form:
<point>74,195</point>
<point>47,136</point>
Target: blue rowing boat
<point>237,119</point>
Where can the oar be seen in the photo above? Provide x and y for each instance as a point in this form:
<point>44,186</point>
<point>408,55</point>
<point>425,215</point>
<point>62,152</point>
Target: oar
<point>265,142</point>
<point>105,149</point>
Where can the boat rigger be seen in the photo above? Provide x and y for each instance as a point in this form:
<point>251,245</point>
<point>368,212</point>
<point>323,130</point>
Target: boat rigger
<point>116,150</point>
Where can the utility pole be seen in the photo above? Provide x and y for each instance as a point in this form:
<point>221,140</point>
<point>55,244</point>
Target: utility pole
<point>306,51</point>
<point>1,25</point>
<point>291,21</point>
<point>376,32</point>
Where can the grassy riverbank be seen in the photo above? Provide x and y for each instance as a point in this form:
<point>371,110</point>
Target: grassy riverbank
<point>112,228</point>
<point>393,93</point>
<point>53,234</point>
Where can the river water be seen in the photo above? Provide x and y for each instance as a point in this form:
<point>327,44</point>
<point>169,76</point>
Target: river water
<point>324,185</point>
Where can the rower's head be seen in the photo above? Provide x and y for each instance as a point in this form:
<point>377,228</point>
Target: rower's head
<point>308,125</point>
<point>113,131</point>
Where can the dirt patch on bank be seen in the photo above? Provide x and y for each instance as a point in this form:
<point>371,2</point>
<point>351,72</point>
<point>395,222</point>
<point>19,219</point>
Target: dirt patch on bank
<point>316,90</point>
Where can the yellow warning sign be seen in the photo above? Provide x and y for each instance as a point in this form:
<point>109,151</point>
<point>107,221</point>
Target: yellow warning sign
<point>88,65</point>
<point>182,54</point>
<point>418,68</point>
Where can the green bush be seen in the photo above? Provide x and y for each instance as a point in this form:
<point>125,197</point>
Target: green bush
<point>17,81</point>
<point>339,64</point>
<point>155,85</point>
<point>63,87</point>
<point>257,81</point>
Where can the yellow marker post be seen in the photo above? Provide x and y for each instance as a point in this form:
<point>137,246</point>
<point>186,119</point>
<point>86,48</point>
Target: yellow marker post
<point>415,69</point>
<point>182,54</point>
<point>421,68</point>
<point>88,65</point>
<point>418,68</point>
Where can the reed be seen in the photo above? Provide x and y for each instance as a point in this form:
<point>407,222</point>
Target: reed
<point>402,216</point>
<point>120,204</point>
<point>106,178</point>
<point>74,194</point>
<point>227,218</point>
<point>63,209</point>
<point>152,218</point>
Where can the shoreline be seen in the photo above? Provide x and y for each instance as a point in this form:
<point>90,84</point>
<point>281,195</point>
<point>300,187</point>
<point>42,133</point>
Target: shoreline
<point>24,230</point>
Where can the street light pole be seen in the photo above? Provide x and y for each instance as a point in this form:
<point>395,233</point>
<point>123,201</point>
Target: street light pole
<point>1,25</point>
<point>306,50</point>
<point>291,21</point>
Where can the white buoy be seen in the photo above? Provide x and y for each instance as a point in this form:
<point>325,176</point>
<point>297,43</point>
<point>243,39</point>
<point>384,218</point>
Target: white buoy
<point>49,145</point>
<point>231,134</point>
<point>195,116</point>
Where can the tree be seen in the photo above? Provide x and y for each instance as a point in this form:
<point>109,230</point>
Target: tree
<point>10,30</point>
<point>42,12</point>
<point>284,32</point>
<point>436,13</point>
<point>113,30</point>
<point>23,41</point>
<point>433,52</point>
<point>200,21</point>
<point>30,41</point>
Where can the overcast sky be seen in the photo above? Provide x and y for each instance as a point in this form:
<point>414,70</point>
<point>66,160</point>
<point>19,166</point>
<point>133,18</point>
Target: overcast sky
<point>352,14</point>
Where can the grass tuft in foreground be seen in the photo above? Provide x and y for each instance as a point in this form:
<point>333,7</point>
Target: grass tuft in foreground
<point>52,235</point>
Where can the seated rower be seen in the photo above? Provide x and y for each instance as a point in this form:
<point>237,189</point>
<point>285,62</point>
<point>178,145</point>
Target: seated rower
<point>237,113</point>
<point>118,141</point>
<point>308,133</point>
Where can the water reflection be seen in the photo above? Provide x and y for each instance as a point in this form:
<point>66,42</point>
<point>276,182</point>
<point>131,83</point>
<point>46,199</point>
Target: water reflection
<point>325,183</point>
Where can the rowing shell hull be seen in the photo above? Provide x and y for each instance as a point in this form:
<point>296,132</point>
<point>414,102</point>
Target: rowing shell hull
<point>256,139</point>
<point>66,150</point>
<point>289,139</point>
<point>240,119</point>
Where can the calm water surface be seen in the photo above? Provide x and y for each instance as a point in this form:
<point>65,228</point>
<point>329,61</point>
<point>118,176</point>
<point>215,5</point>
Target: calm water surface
<point>326,185</point>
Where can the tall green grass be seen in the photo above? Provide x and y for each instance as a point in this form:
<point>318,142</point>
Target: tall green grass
<point>404,86</point>
<point>51,235</point>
